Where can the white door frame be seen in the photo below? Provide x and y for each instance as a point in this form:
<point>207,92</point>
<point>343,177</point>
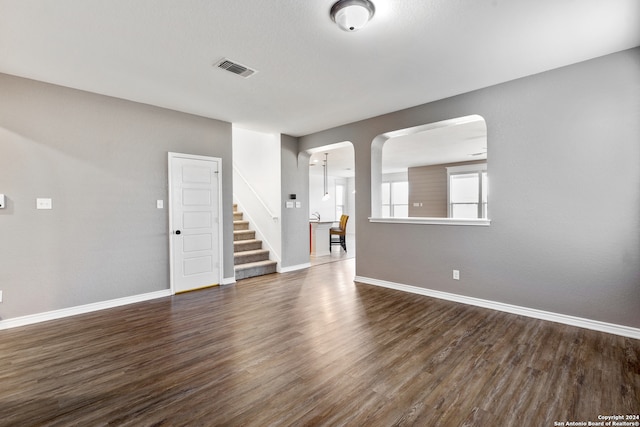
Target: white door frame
<point>218,160</point>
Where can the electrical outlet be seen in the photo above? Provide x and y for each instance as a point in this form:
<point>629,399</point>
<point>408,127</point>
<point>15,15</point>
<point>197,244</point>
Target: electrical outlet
<point>456,274</point>
<point>43,204</point>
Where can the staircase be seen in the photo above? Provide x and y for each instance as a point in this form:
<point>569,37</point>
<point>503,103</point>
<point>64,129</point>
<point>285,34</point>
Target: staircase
<point>249,258</point>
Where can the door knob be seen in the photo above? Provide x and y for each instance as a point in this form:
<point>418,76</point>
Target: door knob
<point>178,231</point>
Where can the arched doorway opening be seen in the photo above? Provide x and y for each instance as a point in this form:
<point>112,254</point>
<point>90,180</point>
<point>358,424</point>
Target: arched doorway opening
<point>331,194</point>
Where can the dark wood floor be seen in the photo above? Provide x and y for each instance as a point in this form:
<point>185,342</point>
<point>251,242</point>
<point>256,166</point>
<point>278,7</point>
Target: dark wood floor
<point>311,348</point>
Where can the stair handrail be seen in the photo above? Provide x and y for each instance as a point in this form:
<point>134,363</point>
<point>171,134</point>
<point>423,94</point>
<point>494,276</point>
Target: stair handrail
<point>264,205</point>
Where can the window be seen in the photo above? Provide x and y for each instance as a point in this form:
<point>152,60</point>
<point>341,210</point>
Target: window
<point>468,189</point>
<point>339,200</point>
<point>395,199</point>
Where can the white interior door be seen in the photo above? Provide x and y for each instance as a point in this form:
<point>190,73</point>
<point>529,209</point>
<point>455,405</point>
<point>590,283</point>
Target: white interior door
<point>195,221</point>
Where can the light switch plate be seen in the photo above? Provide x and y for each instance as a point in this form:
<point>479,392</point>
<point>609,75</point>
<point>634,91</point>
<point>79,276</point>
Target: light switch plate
<point>44,204</point>
<point>298,205</point>
<point>160,204</point>
<point>2,202</point>
<point>289,205</point>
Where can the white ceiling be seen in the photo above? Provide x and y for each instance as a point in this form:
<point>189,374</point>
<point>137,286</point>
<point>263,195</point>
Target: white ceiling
<point>460,139</point>
<point>340,160</point>
<point>456,140</point>
<point>311,75</point>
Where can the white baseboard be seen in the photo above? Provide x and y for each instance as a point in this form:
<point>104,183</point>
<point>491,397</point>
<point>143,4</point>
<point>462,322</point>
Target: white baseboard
<point>81,309</point>
<point>294,268</point>
<point>611,328</point>
<point>228,280</point>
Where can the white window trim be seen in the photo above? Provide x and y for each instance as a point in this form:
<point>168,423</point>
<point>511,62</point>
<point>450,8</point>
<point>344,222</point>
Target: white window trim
<point>452,170</point>
<point>342,202</point>
<point>391,204</point>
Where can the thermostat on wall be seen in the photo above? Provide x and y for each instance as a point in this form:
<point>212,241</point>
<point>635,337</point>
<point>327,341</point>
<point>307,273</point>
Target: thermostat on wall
<point>2,203</point>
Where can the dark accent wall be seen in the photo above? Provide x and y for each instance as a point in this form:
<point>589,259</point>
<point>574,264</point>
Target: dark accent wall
<point>564,159</point>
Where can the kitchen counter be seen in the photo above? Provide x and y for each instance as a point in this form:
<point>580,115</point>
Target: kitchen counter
<point>319,237</point>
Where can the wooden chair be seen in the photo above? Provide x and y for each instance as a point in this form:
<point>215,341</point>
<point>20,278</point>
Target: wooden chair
<point>341,232</point>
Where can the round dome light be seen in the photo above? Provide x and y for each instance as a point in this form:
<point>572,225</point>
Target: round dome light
<point>351,15</point>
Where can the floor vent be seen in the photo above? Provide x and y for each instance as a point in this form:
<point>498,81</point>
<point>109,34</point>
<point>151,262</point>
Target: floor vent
<point>235,68</point>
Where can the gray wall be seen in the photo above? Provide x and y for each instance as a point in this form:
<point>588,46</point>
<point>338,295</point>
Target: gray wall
<point>103,161</point>
<point>295,180</point>
<point>564,165</point>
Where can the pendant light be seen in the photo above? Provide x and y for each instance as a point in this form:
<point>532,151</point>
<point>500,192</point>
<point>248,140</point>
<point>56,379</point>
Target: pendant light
<point>326,178</point>
<point>351,15</point>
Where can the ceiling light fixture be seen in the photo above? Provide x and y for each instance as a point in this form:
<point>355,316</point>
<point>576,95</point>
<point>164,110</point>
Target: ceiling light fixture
<point>351,15</point>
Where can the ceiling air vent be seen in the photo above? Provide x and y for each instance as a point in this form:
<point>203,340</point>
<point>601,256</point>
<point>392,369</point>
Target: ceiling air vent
<point>235,68</point>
